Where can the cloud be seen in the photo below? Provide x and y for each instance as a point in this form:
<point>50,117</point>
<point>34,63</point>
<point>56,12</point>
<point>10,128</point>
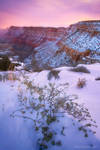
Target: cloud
<point>92,7</point>
<point>47,12</point>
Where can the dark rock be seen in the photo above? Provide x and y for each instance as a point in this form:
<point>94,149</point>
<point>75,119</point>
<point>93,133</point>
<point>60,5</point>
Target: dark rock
<point>4,63</point>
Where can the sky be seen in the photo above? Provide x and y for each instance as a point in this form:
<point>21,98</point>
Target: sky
<point>55,13</point>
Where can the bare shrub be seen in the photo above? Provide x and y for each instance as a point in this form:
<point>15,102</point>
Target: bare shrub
<point>49,105</point>
<point>81,83</point>
<point>98,78</point>
<point>8,76</point>
<point>53,73</point>
<point>80,69</point>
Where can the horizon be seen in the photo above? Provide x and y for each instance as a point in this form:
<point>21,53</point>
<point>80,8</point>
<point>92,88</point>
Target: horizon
<point>47,13</point>
<point>49,26</point>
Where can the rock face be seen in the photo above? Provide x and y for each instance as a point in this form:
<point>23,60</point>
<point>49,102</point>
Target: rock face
<point>4,63</point>
<point>83,35</point>
<point>44,48</point>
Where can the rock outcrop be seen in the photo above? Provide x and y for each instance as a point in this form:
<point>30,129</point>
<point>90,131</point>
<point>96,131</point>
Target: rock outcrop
<point>43,48</point>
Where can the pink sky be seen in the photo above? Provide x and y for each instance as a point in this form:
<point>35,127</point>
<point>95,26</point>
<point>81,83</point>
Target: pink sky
<point>47,12</point>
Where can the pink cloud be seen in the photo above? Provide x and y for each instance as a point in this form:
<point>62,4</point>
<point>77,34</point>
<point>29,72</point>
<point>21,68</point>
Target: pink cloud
<point>47,12</point>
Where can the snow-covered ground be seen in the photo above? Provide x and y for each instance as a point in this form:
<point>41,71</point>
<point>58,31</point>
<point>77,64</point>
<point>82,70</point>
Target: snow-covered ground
<point>18,134</point>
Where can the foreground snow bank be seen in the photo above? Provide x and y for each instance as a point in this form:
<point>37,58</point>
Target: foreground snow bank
<point>20,131</point>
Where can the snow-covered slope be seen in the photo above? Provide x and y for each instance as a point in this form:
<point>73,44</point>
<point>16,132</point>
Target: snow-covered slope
<point>84,35</point>
<point>18,133</point>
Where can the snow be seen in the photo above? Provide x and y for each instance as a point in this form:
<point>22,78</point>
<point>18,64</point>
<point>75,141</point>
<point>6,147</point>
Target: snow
<point>4,52</point>
<point>17,131</point>
<point>43,55</point>
<point>82,41</point>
